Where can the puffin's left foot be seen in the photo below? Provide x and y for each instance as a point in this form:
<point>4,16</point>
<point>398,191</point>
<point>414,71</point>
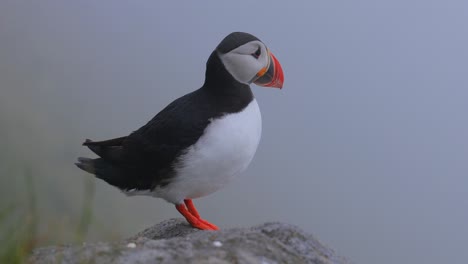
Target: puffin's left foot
<point>193,217</point>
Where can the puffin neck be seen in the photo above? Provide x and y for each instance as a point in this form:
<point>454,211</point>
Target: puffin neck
<point>218,80</point>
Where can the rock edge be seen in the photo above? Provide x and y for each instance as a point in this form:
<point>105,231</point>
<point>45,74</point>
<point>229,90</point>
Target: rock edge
<point>174,241</point>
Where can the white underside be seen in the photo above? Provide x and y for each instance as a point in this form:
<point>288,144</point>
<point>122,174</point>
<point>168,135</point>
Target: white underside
<point>226,148</point>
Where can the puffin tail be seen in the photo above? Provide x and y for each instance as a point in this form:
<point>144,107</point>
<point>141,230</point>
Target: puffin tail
<point>101,169</point>
<point>86,164</point>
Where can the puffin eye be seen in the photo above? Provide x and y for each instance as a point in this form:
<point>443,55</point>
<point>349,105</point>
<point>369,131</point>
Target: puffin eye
<point>257,53</point>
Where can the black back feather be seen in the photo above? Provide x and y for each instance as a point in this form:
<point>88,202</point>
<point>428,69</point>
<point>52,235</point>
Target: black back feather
<point>147,157</point>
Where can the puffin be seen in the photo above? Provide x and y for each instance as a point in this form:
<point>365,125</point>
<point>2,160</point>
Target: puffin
<point>199,142</point>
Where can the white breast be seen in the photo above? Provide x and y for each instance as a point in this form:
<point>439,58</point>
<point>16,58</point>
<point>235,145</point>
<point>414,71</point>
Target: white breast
<point>225,149</point>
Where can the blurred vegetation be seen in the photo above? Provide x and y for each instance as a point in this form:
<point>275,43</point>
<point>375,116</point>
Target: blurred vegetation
<point>87,211</point>
<point>18,227</point>
<point>40,203</point>
<point>44,199</point>
<point>19,223</point>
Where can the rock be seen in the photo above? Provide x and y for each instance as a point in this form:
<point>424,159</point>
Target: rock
<point>174,241</point>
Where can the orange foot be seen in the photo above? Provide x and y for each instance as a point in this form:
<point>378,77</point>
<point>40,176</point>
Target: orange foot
<point>193,217</point>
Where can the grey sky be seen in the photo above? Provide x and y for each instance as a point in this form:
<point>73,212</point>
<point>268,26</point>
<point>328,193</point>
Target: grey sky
<point>365,146</point>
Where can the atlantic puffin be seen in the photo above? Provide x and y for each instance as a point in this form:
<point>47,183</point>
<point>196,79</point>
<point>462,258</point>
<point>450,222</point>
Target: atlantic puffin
<point>200,141</point>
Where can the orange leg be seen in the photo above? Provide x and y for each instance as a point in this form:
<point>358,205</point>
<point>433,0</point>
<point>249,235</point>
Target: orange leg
<point>193,217</point>
<point>191,208</point>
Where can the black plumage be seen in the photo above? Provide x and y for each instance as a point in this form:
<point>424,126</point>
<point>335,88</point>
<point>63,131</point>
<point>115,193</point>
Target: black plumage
<point>145,159</point>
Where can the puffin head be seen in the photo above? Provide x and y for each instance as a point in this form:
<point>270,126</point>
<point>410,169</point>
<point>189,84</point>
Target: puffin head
<point>248,60</point>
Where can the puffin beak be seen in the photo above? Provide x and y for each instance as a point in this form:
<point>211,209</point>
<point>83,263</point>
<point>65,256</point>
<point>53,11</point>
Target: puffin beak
<point>271,75</point>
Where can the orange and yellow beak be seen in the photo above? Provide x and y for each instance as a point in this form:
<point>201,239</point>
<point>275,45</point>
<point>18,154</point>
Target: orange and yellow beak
<point>271,75</point>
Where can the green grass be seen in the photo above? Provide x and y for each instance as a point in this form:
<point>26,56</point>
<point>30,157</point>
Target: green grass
<point>19,223</point>
<point>86,211</point>
<point>18,227</point>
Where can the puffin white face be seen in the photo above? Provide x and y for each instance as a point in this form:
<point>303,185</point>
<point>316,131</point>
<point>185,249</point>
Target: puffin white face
<point>248,62</point>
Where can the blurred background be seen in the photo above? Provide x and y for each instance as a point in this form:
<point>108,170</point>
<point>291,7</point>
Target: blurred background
<point>365,147</point>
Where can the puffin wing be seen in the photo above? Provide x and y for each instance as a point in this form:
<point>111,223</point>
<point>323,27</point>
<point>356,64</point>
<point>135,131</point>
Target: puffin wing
<point>145,158</point>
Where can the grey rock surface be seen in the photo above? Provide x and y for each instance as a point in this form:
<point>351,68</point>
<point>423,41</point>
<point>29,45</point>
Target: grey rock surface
<point>174,241</point>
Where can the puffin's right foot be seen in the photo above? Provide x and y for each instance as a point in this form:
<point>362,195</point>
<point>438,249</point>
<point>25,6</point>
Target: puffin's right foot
<point>193,217</point>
